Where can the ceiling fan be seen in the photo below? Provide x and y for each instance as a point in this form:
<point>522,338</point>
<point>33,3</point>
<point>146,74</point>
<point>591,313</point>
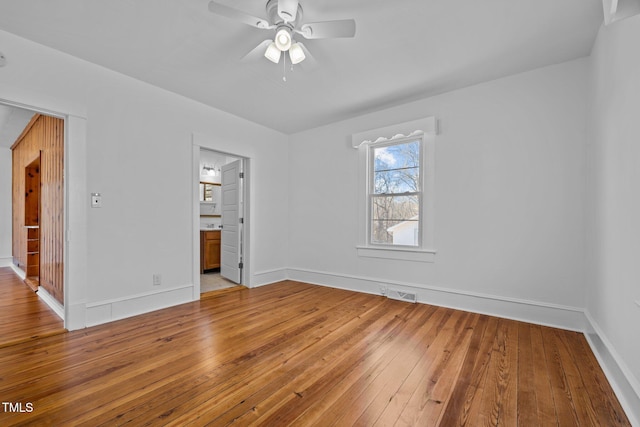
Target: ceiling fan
<point>285,16</point>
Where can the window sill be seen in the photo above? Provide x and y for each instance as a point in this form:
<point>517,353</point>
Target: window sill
<point>404,254</point>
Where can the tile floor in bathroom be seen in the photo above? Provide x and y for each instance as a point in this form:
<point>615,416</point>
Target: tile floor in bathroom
<point>213,281</point>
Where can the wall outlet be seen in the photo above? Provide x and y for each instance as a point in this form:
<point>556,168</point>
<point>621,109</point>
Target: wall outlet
<point>157,279</point>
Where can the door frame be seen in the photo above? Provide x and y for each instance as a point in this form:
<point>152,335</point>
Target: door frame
<point>75,272</point>
<point>197,145</point>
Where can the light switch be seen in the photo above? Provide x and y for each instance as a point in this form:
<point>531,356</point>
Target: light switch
<point>96,200</point>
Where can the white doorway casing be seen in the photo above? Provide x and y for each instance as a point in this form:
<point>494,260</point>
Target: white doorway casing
<point>73,311</point>
<point>201,142</point>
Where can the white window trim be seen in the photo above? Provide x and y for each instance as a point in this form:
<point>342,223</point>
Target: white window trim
<point>426,129</point>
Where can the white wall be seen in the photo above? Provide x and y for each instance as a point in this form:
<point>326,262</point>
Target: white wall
<point>613,296</point>
<point>510,170</point>
<point>5,207</point>
<point>510,193</point>
<point>139,156</point>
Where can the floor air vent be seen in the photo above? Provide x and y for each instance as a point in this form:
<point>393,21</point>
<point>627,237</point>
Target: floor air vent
<point>401,295</point>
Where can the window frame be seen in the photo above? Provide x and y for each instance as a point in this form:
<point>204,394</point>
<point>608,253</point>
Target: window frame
<point>371,194</point>
<point>426,130</point>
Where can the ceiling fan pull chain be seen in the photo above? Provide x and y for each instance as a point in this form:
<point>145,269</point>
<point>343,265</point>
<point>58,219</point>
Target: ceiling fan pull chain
<point>284,68</point>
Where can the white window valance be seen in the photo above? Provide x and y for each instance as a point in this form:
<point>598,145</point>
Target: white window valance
<point>425,126</point>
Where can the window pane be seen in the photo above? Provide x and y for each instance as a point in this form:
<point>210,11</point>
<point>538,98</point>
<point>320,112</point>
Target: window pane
<point>396,181</point>
<point>395,220</point>
<point>396,168</point>
<point>397,156</point>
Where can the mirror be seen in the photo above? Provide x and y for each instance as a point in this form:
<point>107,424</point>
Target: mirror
<point>210,198</point>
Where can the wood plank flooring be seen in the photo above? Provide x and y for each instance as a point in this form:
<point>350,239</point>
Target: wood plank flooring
<point>23,316</point>
<point>297,354</point>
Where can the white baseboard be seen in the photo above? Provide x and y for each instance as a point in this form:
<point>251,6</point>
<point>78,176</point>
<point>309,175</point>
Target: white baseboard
<point>76,316</point>
<point>267,277</point>
<point>109,310</point>
<point>53,303</point>
<point>42,293</point>
<point>20,272</point>
<point>619,375</point>
<point>625,386</point>
<point>557,316</point>
<point>6,262</point>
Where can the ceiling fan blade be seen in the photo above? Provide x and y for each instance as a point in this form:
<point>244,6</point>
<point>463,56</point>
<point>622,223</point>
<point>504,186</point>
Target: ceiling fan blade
<point>328,29</point>
<point>288,9</point>
<point>257,52</point>
<point>231,13</point>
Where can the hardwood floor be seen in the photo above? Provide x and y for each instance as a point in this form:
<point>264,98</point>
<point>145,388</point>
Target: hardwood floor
<point>297,354</point>
<point>23,316</point>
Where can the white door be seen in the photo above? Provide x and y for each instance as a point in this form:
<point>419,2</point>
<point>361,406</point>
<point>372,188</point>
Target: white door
<point>231,252</point>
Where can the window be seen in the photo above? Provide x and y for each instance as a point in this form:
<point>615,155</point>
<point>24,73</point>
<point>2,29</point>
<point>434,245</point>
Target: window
<point>395,193</point>
<point>396,203</point>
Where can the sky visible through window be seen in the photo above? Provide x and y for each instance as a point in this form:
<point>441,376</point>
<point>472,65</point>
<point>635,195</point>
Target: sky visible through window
<point>395,194</point>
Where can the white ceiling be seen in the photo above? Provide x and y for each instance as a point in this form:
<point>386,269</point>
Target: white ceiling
<point>13,120</point>
<point>403,49</point>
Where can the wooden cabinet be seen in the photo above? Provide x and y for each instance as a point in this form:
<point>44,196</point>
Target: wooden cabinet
<point>209,250</point>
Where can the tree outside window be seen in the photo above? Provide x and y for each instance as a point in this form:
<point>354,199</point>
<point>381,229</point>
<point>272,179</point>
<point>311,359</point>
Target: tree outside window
<point>395,193</point>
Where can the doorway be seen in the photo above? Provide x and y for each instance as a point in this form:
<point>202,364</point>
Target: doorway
<point>36,143</point>
<point>221,221</point>
<point>63,207</point>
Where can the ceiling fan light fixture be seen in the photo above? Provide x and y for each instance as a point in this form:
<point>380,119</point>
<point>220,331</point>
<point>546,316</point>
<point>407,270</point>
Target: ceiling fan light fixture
<point>283,39</point>
<point>296,53</point>
<point>273,53</point>
<point>286,17</point>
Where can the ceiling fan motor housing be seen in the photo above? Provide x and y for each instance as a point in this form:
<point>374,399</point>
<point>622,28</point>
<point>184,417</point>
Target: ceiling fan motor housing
<point>276,19</point>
